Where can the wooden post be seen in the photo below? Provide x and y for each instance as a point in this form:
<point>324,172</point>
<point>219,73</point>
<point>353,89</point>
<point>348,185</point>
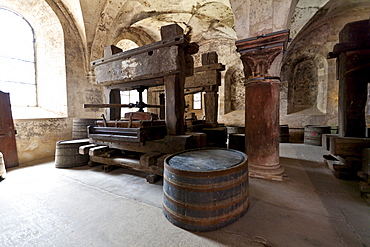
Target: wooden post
<point>353,56</point>
<point>211,95</point>
<point>114,113</point>
<point>211,104</point>
<point>262,96</point>
<point>162,101</point>
<point>174,87</point>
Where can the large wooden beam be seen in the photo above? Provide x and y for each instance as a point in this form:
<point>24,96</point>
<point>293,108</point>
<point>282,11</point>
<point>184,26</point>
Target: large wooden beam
<point>353,56</point>
<point>348,146</point>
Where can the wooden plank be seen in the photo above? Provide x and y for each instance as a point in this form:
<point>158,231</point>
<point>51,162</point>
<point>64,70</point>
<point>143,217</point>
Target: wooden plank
<point>169,144</point>
<point>217,66</point>
<point>97,150</point>
<point>84,150</point>
<point>348,146</point>
<point>158,63</point>
<point>132,164</point>
<point>152,82</point>
<point>174,40</point>
<point>205,78</point>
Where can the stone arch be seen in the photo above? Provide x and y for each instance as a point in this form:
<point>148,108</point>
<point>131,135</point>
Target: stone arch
<point>136,35</point>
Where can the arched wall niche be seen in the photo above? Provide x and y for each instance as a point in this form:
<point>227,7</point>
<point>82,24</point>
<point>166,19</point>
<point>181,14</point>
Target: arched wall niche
<point>305,81</point>
<point>234,89</point>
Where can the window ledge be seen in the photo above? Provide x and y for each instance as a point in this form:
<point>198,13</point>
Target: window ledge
<point>33,113</point>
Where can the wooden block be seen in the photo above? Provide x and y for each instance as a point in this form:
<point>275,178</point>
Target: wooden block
<point>97,150</point>
<point>209,58</point>
<point>171,31</point>
<point>84,150</point>
<point>326,140</point>
<point>111,50</point>
<point>149,159</point>
<point>348,146</point>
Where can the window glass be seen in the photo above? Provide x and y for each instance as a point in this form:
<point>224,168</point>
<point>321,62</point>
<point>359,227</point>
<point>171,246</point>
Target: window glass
<point>197,101</point>
<point>17,59</point>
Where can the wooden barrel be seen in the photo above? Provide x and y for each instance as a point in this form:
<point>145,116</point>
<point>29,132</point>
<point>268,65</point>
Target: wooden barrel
<point>67,155</point>
<point>79,127</point>
<point>237,142</point>
<point>205,189</point>
<point>284,133</point>
<point>313,134</point>
<point>2,167</point>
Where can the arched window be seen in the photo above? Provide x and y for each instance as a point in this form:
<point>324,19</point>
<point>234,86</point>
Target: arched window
<point>17,59</point>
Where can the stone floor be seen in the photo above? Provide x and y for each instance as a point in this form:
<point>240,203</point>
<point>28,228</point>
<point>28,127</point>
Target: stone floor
<point>41,205</point>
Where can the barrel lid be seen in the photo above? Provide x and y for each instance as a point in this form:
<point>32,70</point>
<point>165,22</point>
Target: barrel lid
<point>204,160</point>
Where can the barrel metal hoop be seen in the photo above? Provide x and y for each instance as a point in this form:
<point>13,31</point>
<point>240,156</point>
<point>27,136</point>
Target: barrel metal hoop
<point>207,207</point>
<point>208,221</point>
<point>206,187</point>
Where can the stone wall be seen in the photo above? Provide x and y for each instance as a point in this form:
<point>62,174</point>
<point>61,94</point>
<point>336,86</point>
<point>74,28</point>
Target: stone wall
<point>309,88</point>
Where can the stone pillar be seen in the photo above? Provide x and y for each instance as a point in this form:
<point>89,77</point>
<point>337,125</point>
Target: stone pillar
<point>262,100</point>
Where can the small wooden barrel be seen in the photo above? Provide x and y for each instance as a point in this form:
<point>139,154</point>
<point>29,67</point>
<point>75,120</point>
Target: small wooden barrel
<point>205,189</point>
<point>284,133</point>
<point>237,142</point>
<point>313,134</point>
<point>79,127</point>
<point>67,155</point>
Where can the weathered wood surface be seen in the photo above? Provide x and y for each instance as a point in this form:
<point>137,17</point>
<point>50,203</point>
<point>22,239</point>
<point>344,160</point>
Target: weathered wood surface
<point>98,150</point>
<point>211,106</point>
<point>130,124</point>
<point>114,113</point>
<point>203,78</point>
<point>7,133</point>
<point>348,146</point>
<point>84,150</point>
<point>169,144</point>
<point>140,134</point>
<point>325,140</point>
<point>67,153</point>
<point>133,164</point>
<point>156,63</point>
<point>175,103</point>
<point>205,189</point>
<point>353,53</point>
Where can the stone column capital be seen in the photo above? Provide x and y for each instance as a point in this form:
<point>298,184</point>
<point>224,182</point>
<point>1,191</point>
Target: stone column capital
<point>258,53</point>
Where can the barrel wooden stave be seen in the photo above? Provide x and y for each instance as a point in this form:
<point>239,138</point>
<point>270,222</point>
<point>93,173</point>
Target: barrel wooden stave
<point>205,201</point>
<point>67,154</point>
<point>313,134</point>
<point>79,127</point>
<point>284,133</point>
